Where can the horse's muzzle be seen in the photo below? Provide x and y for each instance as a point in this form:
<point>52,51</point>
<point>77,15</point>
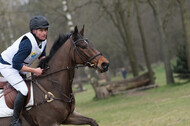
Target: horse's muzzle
<point>105,66</point>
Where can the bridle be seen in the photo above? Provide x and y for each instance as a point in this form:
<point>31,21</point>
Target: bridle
<point>87,60</point>
<point>49,97</point>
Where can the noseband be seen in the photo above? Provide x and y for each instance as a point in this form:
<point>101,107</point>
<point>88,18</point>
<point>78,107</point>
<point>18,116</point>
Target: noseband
<point>87,60</point>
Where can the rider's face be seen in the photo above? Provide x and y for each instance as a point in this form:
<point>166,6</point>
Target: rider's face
<point>41,33</point>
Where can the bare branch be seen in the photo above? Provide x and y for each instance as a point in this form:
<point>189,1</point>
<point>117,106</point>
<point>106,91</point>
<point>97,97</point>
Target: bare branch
<point>168,15</point>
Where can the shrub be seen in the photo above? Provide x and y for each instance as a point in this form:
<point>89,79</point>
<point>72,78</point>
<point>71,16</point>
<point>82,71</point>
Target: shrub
<point>181,67</point>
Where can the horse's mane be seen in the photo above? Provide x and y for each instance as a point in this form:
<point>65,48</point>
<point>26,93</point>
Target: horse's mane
<point>57,44</point>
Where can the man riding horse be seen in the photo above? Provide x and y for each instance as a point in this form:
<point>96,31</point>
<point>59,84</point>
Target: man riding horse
<point>17,58</point>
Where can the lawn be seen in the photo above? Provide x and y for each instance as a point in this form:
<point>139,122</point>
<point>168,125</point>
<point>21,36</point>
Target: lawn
<point>167,105</point>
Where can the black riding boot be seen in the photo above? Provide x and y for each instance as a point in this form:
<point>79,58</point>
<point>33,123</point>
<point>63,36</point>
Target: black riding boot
<point>18,105</point>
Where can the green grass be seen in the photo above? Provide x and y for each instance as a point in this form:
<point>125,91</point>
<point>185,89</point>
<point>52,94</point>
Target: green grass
<point>167,105</point>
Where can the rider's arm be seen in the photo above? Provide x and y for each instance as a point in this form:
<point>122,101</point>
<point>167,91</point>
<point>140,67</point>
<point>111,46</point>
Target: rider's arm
<point>24,50</point>
<point>36,71</point>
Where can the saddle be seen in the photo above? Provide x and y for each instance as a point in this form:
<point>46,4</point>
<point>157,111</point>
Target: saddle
<point>10,93</point>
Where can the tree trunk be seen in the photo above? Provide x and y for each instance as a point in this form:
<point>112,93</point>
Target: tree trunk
<point>68,15</point>
<point>132,55</point>
<point>150,71</point>
<point>121,22</point>
<point>128,41</point>
<point>164,44</point>
<point>123,85</point>
<point>186,26</point>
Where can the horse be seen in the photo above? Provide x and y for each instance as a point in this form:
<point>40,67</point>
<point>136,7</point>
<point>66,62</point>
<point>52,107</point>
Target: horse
<point>54,101</point>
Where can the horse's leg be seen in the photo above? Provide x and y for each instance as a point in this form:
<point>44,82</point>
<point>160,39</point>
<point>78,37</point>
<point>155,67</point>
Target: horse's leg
<point>78,119</point>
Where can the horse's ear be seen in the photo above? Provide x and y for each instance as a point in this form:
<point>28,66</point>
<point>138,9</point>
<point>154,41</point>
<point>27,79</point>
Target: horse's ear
<point>75,31</point>
<point>82,31</point>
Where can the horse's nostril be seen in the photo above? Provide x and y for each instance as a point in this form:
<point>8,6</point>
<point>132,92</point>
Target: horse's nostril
<point>105,65</point>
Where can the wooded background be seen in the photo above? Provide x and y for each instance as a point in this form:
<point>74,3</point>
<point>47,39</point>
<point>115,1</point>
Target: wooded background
<point>130,33</point>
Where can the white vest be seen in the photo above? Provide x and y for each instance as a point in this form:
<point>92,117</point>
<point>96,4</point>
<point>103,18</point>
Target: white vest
<point>9,53</point>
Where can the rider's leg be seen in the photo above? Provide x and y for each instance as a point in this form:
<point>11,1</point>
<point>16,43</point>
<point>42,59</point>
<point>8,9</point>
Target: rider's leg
<point>18,105</point>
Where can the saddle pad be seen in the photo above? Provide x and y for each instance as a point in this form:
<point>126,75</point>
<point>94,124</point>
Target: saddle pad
<point>5,111</point>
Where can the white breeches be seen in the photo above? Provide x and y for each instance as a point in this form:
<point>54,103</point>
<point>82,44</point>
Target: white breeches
<point>13,77</point>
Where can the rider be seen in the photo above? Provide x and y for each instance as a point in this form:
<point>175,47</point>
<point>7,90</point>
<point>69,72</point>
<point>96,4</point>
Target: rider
<point>19,56</point>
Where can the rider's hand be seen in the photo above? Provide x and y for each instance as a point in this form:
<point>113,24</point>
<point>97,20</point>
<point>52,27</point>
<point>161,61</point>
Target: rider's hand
<point>38,71</point>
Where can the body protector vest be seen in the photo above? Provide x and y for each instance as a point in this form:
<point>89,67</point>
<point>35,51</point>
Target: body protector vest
<point>9,53</point>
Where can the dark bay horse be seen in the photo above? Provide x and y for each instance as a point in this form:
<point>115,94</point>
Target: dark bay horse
<point>53,97</point>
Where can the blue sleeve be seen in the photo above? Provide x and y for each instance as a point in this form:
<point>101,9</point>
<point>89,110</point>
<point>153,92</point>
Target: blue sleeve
<point>43,53</point>
<point>23,52</point>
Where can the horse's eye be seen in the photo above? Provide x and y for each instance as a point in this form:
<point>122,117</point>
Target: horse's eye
<point>83,47</point>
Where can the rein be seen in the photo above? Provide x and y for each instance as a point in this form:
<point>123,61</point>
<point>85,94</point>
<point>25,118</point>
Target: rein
<point>49,96</point>
<point>57,71</point>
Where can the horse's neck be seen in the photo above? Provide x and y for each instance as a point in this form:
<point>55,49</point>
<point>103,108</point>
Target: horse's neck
<point>62,57</point>
<point>61,61</point>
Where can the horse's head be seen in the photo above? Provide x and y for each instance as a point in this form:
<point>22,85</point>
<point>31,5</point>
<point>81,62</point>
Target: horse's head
<point>85,53</point>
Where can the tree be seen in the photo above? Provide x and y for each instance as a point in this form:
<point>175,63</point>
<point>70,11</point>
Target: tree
<point>8,24</point>
<point>164,43</point>
<point>120,15</point>
<point>148,65</point>
<point>68,15</point>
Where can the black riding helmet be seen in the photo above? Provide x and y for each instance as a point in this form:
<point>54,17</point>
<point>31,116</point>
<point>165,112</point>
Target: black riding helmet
<point>38,22</point>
